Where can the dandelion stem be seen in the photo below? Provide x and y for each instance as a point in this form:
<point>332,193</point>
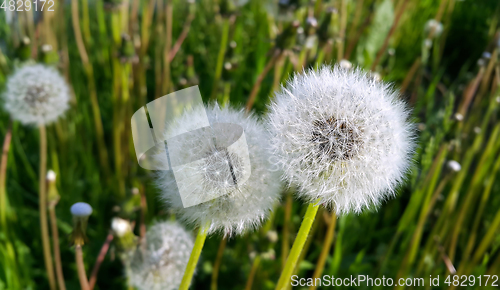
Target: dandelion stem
<point>193,259</point>
<point>47,255</point>
<point>55,245</point>
<point>251,276</point>
<point>222,52</point>
<point>260,78</point>
<point>218,259</point>
<point>327,244</point>
<point>98,262</point>
<point>285,245</point>
<point>82,276</point>
<point>301,238</point>
<point>3,174</point>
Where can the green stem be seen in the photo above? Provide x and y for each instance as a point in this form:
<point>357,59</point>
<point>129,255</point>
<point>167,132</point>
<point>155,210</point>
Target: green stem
<point>193,259</point>
<point>47,255</point>
<point>220,57</point>
<point>253,271</point>
<point>3,174</point>
<point>301,238</point>
<point>218,260</point>
<point>327,245</point>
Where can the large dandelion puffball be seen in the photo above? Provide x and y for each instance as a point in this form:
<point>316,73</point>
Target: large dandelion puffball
<point>159,262</point>
<point>36,95</point>
<point>241,206</point>
<point>342,137</point>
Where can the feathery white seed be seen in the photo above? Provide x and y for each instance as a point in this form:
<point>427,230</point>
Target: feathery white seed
<point>342,137</point>
<point>36,95</point>
<point>240,208</point>
<point>161,261</point>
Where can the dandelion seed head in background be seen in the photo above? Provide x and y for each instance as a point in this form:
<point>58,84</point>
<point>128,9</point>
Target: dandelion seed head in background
<point>160,262</point>
<point>342,137</point>
<point>36,95</point>
<point>242,206</point>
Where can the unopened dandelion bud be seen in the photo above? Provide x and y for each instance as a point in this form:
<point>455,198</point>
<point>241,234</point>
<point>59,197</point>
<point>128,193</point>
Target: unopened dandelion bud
<point>454,166</point>
<point>272,236</point>
<point>52,194</point>
<point>345,64</point>
<point>124,237</point>
<point>81,212</point>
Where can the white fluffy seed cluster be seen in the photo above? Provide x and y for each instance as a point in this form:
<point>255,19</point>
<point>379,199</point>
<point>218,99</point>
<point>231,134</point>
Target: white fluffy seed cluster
<point>36,95</point>
<point>240,207</point>
<point>342,137</point>
<point>159,264</point>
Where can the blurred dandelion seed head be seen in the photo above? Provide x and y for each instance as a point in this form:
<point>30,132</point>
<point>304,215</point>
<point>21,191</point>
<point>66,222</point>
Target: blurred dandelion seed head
<point>36,95</point>
<point>242,206</point>
<point>51,175</point>
<point>454,165</point>
<point>342,137</point>
<point>434,27</point>
<point>160,262</point>
<point>120,227</point>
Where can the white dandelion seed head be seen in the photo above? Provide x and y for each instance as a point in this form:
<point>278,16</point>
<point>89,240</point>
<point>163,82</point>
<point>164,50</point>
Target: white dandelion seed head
<point>240,207</point>
<point>81,209</point>
<point>341,137</point>
<point>159,263</point>
<point>434,26</point>
<point>454,165</point>
<point>36,95</point>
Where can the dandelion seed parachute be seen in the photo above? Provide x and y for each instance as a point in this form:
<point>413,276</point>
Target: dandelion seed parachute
<point>36,95</point>
<point>241,207</point>
<point>342,137</point>
<point>161,261</point>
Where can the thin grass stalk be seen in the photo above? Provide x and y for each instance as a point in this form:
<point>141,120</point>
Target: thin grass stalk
<point>103,152</point>
<point>354,40</point>
<point>42,203</point>
<point>479,213</point>
<point>80,265</point>
<point>285,241</point>
<point>218,261</point>
<point>327,245</point>
<point>343,23</point>
<point>184,33</point>
<point>220,57</point>
<point>253,271</point>
<point>355,21</point>
<point>260,78</point>
<point>409,76</point>
<point>298,244</point>
<point>471,195</point>
<point>388,36</point>
<point>193,259</point>
<point>99,260</point>
<point>3,174</point>
<point>168,44</point>
<point>55,245</point>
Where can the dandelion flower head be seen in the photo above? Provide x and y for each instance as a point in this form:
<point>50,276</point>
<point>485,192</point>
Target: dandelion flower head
<point>342,137</point>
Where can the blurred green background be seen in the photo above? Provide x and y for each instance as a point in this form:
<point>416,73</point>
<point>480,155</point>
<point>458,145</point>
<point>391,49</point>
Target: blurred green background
<point>117,56</point>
